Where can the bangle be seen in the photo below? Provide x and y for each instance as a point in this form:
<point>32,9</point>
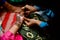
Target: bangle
<point>19,22</point>
<point>19,17</point>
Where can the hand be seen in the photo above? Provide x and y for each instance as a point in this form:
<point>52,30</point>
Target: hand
<point>30,22</point>
<point>26,12</point>
<point>19,20</point>
<point>28,9</point>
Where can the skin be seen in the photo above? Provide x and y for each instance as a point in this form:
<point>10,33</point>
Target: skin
<point>16,26</point>
<point>30,9</point>
<point>12,8</point>
<point>30,22</point>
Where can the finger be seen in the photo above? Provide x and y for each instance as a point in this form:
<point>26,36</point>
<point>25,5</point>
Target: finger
<point>27,23</point>
<point>26,19</point>
<point>23,8</point>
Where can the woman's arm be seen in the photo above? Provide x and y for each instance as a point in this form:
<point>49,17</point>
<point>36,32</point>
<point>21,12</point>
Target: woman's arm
<point>17,25</point>
<point>14,29</point>
<point>9,6</point>
<point>13,8</point>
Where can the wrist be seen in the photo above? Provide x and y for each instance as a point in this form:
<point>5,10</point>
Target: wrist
<point>37,22</point>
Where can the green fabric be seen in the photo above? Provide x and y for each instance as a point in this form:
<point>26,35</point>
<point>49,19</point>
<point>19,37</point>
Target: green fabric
<point>17,0</point>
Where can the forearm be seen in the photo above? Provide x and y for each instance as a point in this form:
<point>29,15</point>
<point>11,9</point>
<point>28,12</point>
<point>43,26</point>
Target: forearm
<point>31,8</point>
<point>9,6</point>
<point>37,22</point>
<point>14,29</point>
<point>17,24</point>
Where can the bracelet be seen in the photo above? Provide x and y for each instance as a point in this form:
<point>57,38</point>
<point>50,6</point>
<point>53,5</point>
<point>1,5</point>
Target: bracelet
<point>18,22</point>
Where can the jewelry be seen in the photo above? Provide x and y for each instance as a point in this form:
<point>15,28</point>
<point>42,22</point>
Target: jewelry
<point>19,22</point>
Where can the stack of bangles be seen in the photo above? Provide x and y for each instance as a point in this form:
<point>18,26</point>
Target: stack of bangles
<point>18,21</point>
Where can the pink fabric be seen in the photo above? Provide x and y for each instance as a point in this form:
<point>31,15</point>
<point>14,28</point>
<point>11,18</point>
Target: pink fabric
<point>10,36</point>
